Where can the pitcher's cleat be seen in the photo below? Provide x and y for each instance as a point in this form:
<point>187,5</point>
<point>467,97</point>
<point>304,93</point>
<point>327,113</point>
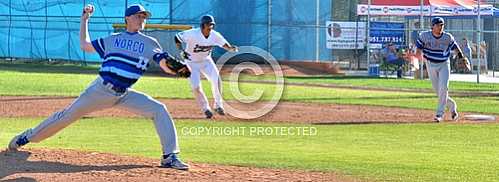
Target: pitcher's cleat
<point>19,140</point>
<point>172,161</point>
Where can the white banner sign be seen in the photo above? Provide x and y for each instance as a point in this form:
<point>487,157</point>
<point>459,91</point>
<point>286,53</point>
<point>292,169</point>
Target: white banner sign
<point>378,10</point>
<point>345,35</point>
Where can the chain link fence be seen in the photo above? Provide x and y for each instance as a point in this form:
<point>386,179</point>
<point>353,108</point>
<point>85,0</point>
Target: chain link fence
<point>336,31</point>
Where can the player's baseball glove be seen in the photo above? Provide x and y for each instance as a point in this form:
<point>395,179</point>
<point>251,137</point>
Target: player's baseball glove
<point>178,67</point>
<point>463,65</point>
<point>184,55</point>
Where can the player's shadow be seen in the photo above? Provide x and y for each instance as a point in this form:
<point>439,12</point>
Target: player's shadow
<point>12,162</point>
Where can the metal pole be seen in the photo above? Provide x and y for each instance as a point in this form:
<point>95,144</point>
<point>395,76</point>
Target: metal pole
<point>171,12</point>
<point>269,26</point>
<point>421,62</point>
<point>479,27</point>
<point>317,30</point>
<point>45,31</point>
<point>10,26</point>
<point>368,32</point>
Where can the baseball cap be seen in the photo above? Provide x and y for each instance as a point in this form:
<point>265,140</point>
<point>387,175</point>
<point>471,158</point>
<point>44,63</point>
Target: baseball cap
<point>136,8</point>
<point>208,19</point>
<point>437,20</point>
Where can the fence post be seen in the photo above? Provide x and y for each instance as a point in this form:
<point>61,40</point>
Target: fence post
<point>368,32</point>
<point>317,8</point>
<point>421,62</point>
<point>479,27</point>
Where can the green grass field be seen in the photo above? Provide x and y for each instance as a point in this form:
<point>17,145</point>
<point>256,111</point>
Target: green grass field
<point>69,84</point>
<point>380,82</point>
<point>402,152</point>
<point>384,152</point>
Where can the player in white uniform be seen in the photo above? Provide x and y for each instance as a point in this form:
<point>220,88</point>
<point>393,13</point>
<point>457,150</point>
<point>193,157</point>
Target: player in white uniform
<point>197,54</point>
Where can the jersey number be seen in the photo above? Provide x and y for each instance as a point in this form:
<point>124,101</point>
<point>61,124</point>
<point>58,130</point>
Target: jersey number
<point>143,63</point>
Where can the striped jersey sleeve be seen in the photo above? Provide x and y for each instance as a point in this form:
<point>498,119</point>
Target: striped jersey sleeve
<point>157,51</point>
<point>99,47</point>
<point>419,42</point>
<point>453,44</point>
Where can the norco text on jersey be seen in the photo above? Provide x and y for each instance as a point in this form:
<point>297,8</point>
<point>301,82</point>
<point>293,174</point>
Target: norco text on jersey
<point>132,45</point>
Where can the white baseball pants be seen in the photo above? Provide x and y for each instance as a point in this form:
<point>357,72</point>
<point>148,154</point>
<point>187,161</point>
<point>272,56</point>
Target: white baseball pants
<point>208,68</point>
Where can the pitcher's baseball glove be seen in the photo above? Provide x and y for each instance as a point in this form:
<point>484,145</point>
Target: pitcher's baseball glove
<point>178,67</point>
<point>463,65</point>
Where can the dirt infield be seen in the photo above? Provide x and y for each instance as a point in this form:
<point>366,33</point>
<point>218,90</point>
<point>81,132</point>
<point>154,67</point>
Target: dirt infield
<point>70,165</point>
<point>11,106</point>
<point>289,112</point>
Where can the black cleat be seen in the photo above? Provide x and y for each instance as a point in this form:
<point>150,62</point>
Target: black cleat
<point>208,114</point>
<point>220,111</point>
<point>455,116</point>
<point>438,119</point>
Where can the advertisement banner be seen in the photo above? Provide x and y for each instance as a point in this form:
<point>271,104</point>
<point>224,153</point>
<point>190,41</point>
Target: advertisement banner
<point>394,10</point>
<point>385,32</point>
<point>345,35</point>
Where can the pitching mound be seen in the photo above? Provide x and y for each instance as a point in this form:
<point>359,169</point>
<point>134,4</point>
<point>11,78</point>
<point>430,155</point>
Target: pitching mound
<point>69,165</point>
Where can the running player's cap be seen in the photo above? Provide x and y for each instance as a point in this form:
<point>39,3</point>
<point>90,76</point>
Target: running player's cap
<point>437,20</point>
<point>208,19</point>
<point>136,8</point>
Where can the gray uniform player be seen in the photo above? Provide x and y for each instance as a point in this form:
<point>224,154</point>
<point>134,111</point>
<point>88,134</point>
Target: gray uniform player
<point>436,45</point>
<point>126,57</point>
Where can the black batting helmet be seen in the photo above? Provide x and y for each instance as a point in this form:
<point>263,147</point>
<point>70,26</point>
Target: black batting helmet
<point>207,19</point>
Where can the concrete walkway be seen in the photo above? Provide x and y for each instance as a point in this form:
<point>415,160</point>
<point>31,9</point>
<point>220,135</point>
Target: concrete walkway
<point>484,78</point>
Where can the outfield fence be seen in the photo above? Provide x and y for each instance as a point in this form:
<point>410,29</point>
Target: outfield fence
<point>293,30</point>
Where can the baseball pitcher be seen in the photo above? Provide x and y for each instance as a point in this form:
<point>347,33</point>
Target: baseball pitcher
<point>436,46</point>
<point>126,57</point>
<point>197,54</point>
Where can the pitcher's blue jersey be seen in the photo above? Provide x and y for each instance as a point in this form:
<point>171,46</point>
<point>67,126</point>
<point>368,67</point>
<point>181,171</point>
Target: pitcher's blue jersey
<point>126,57</point>
<point>436,49</point>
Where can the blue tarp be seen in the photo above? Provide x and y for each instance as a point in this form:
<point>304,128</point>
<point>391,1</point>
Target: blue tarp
<point>43,29</point>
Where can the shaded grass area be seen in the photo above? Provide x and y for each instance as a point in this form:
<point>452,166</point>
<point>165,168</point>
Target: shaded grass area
<point>66,84</point>
<point>44,67</point>
<point>361,81</point>
<point>380,82</point>
<point>402,152</point>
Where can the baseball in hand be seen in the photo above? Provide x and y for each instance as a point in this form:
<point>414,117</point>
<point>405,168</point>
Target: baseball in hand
<point>235,49</point>
<point>89,9</point>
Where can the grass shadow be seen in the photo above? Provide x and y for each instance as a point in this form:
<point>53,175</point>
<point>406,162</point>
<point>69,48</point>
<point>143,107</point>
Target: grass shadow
<point>65,68</point>
<point>336,77</point>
